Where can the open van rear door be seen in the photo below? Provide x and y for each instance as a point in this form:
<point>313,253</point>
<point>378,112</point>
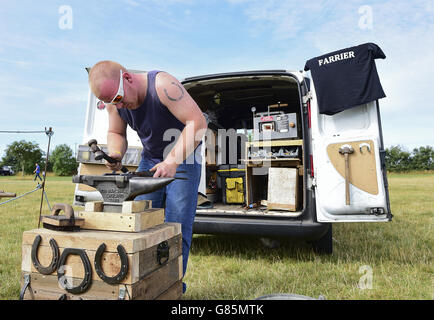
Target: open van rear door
<point>357,129</point>
<point>348,160</point>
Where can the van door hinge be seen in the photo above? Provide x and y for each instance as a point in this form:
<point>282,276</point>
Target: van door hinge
<point>313,182</point>
<point>307,97</point>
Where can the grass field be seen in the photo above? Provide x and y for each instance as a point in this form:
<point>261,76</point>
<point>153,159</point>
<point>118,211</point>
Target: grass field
<point>370,260</point>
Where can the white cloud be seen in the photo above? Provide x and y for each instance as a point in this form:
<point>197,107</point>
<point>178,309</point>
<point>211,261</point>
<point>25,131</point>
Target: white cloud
<point>403,29</point>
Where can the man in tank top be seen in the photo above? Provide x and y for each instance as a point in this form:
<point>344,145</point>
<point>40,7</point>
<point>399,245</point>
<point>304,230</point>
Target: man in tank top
<point>154,104</point>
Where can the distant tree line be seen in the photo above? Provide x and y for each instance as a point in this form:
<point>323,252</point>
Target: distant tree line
<point>398,159</point>
<point>22,156</point>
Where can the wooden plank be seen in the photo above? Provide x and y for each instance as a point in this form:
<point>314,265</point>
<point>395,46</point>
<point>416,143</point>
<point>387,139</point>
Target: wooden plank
<point>94,206</point>
<point>7,195</point>
<point>46,287</point>
<point>282,189</point>
<point>159,281</point>
<point>363,169</point>
<point>61,221</point>
<point>91,239</point>
<point>260,162</point>
<point>280,206</point>
<point>128,222</point>
<point>173,293</point>
<point>150,287</point>
<point>140,263</point>
<point>148,258</point>
<point>275,143</point>
<point>136,206</point>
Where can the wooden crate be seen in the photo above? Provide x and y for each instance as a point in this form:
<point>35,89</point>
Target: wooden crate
<point>146,278</point>
<point>135,216</point>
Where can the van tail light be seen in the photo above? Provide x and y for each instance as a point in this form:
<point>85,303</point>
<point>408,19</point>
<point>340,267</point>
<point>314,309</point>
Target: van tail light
<point>308,114</point>
<point>311,166</point>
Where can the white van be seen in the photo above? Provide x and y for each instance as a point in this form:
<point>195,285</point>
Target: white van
<point>290,171</point>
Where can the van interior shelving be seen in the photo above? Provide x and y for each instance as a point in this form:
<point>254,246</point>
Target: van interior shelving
<point>232,103</point>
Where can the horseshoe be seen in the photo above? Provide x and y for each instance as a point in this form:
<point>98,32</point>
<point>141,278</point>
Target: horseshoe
<point>54,261</point>
<point>124,265</point>
<point>364,144</point>
<point>84,285</point>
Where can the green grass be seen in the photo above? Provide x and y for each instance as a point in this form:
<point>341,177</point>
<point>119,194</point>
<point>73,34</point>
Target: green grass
<point>234,267</point>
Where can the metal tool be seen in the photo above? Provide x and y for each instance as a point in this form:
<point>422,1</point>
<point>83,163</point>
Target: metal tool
<point>99,154</point>
<point>346,150</point>
<point>66,222</point>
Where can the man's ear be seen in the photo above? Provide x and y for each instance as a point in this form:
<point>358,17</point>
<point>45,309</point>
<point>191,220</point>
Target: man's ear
<point>127,76</point>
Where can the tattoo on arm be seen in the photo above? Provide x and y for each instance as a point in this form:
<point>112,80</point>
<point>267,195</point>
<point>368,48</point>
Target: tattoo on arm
<point>175,99</point>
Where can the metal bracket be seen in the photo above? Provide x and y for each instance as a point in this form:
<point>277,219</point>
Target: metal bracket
<point>122,293</point>
<point>26,285</point>
<point>124,265</point>
<point>84,285</point>
<point>54,261</point>
<point>163,252</point>
<point>307,97</point>
<point>377,211</point>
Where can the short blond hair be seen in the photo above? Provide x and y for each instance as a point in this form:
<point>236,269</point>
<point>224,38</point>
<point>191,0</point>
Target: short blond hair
<point>104,70</point>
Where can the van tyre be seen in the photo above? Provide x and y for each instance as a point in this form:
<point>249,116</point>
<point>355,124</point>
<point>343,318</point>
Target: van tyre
<point>324,245</point>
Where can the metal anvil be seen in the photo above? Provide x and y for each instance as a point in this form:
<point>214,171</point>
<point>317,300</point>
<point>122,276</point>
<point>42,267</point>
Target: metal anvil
<point>115,189</point>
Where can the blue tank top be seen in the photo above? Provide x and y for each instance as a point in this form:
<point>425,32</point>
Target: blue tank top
<point>151,120</point>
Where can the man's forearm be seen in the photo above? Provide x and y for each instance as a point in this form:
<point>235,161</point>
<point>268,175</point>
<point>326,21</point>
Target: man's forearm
<point>189,139</point>
<point>116,143</point>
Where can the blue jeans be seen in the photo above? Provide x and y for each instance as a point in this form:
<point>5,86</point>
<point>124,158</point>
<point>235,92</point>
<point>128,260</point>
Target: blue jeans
<point>179,198</point>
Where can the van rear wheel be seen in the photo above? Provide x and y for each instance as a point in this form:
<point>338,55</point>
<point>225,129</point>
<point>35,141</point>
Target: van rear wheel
<point>324,245</point>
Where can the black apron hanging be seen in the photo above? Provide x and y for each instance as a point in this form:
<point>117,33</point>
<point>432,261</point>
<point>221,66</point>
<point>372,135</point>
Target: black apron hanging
<point>346,78</point>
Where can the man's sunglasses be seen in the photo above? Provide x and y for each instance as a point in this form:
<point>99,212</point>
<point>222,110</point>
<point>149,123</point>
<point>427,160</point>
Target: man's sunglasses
<point>120,94</point>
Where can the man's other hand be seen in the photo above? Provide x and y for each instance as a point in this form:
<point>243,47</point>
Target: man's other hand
<point>164,169</point>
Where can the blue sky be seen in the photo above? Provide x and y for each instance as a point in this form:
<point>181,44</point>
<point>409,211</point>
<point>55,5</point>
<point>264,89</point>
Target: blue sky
<point>43,82</point>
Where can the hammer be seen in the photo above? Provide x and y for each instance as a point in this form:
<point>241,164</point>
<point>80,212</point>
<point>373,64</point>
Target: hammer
<point>99,154</point>
<point>346,150</point>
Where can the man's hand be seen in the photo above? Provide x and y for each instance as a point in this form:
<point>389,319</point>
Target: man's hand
<point>117,165</point>
<point>164,169</point>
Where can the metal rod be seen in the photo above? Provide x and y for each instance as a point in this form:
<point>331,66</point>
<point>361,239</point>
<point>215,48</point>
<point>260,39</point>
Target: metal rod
<point>5,131</point>
<point>49,133</point>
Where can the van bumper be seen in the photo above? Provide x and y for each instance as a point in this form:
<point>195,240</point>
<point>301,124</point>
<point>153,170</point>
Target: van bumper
<point>295,229</point>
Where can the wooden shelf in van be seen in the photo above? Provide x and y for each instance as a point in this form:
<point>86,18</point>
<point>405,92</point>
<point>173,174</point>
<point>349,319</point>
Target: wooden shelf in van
<point>251,163</point>
<point>259,162</point>
<point>275,143</point>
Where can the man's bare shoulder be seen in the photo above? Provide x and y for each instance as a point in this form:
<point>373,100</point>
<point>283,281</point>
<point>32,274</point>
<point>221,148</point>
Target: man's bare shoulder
<point>169,89</point>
